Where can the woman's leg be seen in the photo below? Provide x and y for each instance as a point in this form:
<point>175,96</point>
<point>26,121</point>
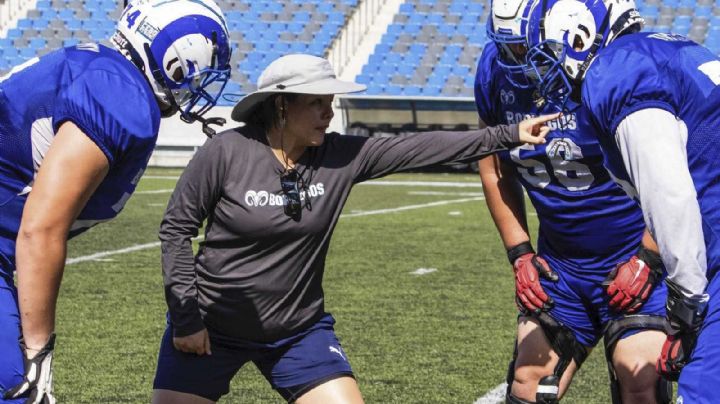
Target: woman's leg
<point>343,390</point>
<point>184,378</point>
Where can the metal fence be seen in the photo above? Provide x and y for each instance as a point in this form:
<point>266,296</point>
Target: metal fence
<point>357,26</point>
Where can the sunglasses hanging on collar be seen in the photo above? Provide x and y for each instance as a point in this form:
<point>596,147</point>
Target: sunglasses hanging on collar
<point>292,184</point>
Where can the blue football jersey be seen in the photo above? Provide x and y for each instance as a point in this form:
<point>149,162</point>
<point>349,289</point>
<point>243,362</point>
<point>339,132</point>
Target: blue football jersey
<point>102,93</point>
<point>584,216</point>
<point>677,75</point>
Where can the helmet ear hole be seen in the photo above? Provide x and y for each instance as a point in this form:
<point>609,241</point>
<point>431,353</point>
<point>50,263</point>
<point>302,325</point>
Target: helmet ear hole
<point>178,75</point>
<point>578,43</point>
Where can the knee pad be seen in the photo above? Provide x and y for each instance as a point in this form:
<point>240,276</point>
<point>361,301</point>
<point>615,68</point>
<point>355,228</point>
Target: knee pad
<point>563,342</point>
<point>612,333</point>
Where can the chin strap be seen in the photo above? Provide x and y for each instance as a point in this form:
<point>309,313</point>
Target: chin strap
<point>206,122</point>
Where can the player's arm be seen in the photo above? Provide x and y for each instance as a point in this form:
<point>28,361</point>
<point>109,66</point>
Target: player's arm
<point>652,144</point>
<point>505,200</point>
<point>71,171</point>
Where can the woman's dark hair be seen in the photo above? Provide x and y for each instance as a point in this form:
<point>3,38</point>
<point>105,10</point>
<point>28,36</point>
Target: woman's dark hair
<point>266,114</point>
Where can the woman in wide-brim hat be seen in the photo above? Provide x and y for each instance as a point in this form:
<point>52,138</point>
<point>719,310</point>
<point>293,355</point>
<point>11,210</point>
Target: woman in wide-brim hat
<point>271,192</point>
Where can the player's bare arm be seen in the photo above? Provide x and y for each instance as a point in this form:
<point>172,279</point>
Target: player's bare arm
<point>70,173</point>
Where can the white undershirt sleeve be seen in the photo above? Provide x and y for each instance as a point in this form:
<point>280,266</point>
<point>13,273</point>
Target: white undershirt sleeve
<point>652,144</point>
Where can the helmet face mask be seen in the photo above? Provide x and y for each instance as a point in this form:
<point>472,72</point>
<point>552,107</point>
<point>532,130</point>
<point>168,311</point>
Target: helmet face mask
<point>504,28</point>
<point>182,48</point>
<point>564,37</point>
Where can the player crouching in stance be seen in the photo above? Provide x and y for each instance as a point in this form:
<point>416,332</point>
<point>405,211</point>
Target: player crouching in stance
<point>596,272</point>
<point>77,128</point>
<point>655,99</point>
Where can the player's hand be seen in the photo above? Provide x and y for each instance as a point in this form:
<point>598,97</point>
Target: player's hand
<point>534,130</point>
<point>630,283</point>
<point>529,268</point>
<point>685,316</point>
<point>36,386</point>
<point>198,343</point>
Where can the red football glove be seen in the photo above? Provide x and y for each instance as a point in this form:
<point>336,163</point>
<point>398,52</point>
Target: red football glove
<point>685,316</point>
<point>529,268</point>
<point>675,355</point>
<point>630,283</point>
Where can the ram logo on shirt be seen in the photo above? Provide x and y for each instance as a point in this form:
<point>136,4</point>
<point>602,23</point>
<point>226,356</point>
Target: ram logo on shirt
<point>265,198</point>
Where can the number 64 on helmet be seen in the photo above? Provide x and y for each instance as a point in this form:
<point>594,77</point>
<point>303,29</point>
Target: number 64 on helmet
<point>182,47</point>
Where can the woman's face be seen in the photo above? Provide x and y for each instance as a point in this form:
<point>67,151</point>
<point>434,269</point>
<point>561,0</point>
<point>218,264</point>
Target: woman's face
<point>308,117</point>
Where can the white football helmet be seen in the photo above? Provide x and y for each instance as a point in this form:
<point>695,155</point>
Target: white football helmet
<point>567,34</point>
<point>505,29</point>
<point>181,46</point>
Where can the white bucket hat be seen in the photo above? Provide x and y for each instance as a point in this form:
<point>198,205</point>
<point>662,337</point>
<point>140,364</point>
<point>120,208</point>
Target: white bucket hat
<point>298,73</point>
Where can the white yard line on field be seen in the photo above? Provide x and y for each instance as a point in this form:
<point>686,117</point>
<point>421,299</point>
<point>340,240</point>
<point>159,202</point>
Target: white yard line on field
<point>140,247</point>
<point>494,396</point>
<point>160,177</point>
<point>440,193</point>
<point>104,254</point>
<point>425,184</point>
<point>154,191</point>
<point>410,207</point>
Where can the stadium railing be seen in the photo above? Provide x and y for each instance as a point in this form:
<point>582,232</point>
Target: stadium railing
<point>355,29</point>
<point>9,10</point>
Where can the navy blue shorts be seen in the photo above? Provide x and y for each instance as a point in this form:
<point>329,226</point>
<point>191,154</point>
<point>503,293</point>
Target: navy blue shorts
<point>293,365</point>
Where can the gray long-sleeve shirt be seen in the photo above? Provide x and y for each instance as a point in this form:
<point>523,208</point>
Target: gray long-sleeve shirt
<point>258,274</point>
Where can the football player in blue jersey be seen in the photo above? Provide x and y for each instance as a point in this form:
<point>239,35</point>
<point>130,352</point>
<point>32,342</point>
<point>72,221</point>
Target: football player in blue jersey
<point>596,271</point>
<point>655,99</point>
<point>77,128</point>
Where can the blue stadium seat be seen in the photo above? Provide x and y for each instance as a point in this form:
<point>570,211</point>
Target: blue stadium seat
<point>407,8</point>
<point>70,42</point>
<point>393,90</point>
<point>24,23</point>
<point>393,58</point>
<point>40,23</point>
<point>375,89</point>
<point>442,70</point>
<point>364,79</point>
<point>14,33</point>
<point>27,53</point>
<point>37,43</point>
<point>406,69</point>
<point>431,91</point>
<point>412,90</point>
<point>447,29</point>
<point>49,13</point>
<point>457,8</point>
<point>436,19</point>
